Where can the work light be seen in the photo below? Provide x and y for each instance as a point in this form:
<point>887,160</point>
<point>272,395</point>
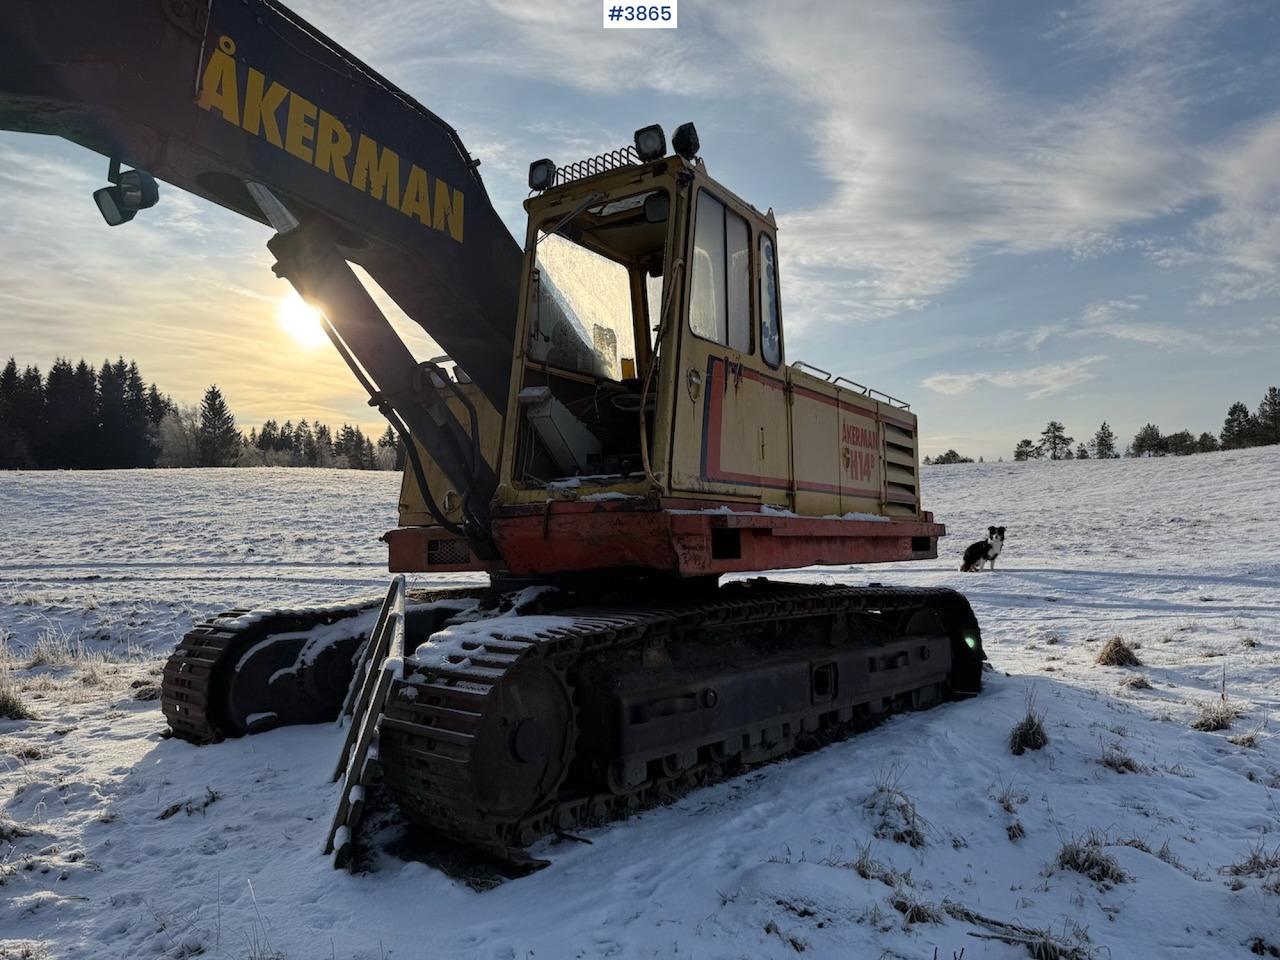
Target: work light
<point>651,143</point>
<point>134,190</point>
<point>542,174</point>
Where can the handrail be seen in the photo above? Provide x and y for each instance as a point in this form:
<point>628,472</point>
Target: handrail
<point>864,390</point>
<point>360,749</point>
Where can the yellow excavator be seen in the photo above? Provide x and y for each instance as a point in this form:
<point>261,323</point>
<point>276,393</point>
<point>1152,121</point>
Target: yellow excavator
<point>616,428</point>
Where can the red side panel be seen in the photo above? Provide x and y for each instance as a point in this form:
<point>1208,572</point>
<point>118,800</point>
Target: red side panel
<point>673,537</point>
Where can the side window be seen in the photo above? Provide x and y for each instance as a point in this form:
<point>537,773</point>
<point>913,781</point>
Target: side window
<point>720,304</point>
<point>770,315</point>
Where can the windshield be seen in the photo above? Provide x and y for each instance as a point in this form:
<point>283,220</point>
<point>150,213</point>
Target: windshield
<point>582,316</point>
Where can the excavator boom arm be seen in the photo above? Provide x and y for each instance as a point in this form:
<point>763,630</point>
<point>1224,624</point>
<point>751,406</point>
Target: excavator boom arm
<point>211,96</point>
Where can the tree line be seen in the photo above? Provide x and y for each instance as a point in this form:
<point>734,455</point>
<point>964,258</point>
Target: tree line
<point>81,418</point>
<point>1240,429</point>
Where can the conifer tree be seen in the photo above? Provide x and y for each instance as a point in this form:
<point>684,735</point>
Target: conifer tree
<point>219,439</point>
<point>1238,429</point>
<point>111,432</point>
<point>1104,443</point>
<point>268,435</point>
<point>325,451</point>
<point>1267,421</point>
<point>27,407</point>
<point>1148,443</point>
<point>14,452</point>
<point>157,405</point>
<point>1054,441</point>
<point>137,452</point>
<point>308,451</point>
<point>84,388</point>
<point>1180,444</point>
<point>56,449</point>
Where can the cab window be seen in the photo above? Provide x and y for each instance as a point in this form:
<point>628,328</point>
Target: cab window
<point>720,291</point>
<point>770,312</point>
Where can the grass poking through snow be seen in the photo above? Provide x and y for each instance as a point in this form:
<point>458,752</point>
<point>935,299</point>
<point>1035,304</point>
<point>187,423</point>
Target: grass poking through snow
<point>1028,733</point>
<point>1116,652</point>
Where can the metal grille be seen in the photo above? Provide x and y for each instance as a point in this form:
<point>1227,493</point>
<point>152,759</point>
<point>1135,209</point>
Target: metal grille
<point>447,553</point>
<point>581,169</point>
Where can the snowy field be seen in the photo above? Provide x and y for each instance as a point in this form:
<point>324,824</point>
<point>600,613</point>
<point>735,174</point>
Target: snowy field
<point>1131,834</point>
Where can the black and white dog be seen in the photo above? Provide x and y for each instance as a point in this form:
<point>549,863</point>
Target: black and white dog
<point>984,551</point>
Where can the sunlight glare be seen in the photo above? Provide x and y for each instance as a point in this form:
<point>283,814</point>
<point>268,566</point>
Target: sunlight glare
<point>300,321</point>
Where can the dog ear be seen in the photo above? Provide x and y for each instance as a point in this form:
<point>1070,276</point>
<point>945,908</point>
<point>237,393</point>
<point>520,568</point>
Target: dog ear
<point>991,531</point>
<point>1000,530</point>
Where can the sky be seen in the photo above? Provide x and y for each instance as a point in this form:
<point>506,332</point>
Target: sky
<point>1003,213</point>
<point>924,834</point>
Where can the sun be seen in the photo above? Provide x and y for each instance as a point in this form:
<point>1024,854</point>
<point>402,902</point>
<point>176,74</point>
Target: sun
<point>300,321</point>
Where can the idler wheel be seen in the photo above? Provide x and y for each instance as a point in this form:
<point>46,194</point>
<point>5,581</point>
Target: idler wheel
<point>524,741</point>
<point>276,683</point>
<point>254,698</point>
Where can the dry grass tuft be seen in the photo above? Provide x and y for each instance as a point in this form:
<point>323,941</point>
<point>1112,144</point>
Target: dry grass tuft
<point>915,911</point>
<point>1116,652</point>
<point>1258,863</point>
<point>12,706</point>
<point>1215,715</point>
<point>1166,854</point>
<point>1136,681</point>
<point>898,819</point>
<point>1116,758</point>
<point>24,950</point>
<point>1086,856</point>
<point>1028,733</point>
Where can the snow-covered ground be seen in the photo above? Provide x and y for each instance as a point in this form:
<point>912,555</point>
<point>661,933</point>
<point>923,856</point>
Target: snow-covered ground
<point>924,838</point>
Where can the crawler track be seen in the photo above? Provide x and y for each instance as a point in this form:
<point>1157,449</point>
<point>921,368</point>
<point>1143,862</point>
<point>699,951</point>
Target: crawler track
<point>245,672</point>
<point>499,740</point>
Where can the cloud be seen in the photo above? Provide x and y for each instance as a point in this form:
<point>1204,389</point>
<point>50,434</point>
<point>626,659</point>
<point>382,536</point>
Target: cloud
<point>938,161</point>
<point>1241,239</point>
<point>534,41</point>
<point>1040,381</point>
<point>1135,25</point>
<point>1114,319</point>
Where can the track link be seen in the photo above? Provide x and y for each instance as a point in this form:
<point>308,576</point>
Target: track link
<point>474,746</point>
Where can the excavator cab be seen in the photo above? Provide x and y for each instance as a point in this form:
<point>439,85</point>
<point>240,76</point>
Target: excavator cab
<point>630,265</point>
<point>590,313</point>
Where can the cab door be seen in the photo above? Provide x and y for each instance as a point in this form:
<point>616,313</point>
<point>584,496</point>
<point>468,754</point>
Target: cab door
<point>730,432</point>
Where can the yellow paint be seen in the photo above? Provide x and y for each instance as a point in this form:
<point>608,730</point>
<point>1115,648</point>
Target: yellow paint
<point>300,128</point>
<point>380,170</point>
<point>318,137</point>
<point>448,210</point>
<point>417,197</point>
<point>333,143</point>
<point>260,106</point>
<point>218,89</point>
